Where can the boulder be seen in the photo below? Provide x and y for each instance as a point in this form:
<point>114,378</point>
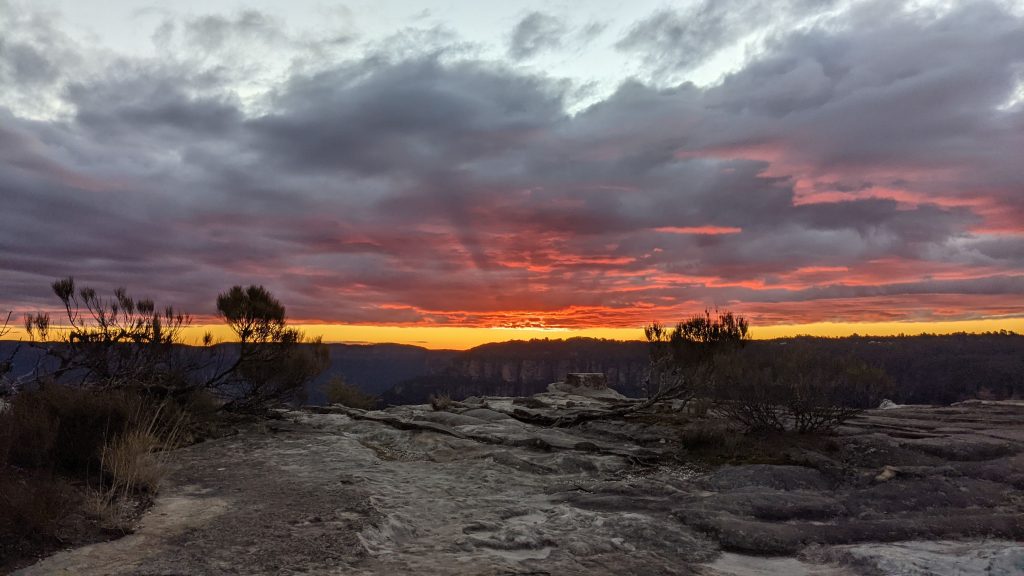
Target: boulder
<point>592,380</point>
<point>589,384</point>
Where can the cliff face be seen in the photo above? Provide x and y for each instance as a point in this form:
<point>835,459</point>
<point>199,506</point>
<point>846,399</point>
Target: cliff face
<point>622,373</point>
<point>525,368</point>
<point>377,367</point>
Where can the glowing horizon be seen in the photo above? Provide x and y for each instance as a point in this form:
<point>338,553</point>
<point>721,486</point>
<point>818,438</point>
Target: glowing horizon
<point>466,337</point>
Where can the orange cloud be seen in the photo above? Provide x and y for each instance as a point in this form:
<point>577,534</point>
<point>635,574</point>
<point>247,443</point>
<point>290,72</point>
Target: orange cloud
<point>699,230</point>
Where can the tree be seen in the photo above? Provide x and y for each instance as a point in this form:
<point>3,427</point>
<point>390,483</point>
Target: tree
<point>683,362</point>
<point>123,342</point>
<point>111,342</point>
<point>274,362</point>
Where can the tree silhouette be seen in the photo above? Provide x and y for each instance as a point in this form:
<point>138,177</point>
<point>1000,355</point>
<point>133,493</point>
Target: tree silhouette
<point>124,342</point>
<point>112,342</point>
<point>274,362</point>
<point>684,360</point>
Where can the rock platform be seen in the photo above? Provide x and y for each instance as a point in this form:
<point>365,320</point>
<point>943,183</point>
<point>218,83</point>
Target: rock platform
<point>478,491</point>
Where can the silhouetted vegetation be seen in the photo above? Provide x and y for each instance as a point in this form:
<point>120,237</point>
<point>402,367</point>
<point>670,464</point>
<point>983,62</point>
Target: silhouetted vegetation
<point>685,360</point>
<point>82,442</point>
<point>925,369</point>
<point>127,343</point>
<point>796,389</point>
<point>338,391</point>
<point>715,442</point>
<point>117,342</point>
<point>274,362</point>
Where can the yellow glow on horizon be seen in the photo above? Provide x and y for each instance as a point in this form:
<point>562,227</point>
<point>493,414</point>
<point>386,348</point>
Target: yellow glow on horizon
<point>839,329</point>
<point>433,337</point>
<point>462,337</point>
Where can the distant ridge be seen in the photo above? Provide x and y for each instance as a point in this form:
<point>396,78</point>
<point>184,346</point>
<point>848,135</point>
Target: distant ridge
<point>926,369</point>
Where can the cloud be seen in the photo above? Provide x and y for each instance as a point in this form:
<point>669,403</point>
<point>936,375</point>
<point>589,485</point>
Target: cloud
<point>843,173</point>
<point>680,39</point>
<point>210,32</point>
<point>535,33</point>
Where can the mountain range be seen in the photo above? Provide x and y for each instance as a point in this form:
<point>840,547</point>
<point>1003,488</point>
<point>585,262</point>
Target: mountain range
<point>925,369</point>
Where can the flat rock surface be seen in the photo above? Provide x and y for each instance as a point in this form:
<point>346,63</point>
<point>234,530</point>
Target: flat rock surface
<point>911,490</point>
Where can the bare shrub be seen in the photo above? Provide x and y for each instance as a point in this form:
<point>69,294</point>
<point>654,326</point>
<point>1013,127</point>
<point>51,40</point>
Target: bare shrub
<point>441,402</point>
<point>340,392</point>
<point>123,342</point>
<point>113,342</point>
<point>797,390</point>
<point>683,361</point>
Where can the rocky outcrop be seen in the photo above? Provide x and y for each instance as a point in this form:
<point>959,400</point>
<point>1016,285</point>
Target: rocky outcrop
<point>476,490</point>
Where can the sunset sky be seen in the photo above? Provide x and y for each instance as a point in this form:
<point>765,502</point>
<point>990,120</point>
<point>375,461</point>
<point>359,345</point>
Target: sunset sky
<point>448,173</point>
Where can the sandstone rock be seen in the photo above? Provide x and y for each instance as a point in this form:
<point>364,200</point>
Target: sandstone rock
<point>486,414</point>
<point>887,473</point>
<point>410,491</point>
<point>914,558</point>
<point>590,385</point>
<point>593,380</point>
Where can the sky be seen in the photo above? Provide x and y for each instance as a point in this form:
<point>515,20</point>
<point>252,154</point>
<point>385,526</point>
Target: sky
<point>448,173</point>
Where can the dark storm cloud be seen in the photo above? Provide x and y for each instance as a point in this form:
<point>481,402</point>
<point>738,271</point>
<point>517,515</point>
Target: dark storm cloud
<point>843,163</point>
<point>417,116</point>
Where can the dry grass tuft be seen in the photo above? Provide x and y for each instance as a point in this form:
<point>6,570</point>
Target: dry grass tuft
<point>135,461</point>
<point>111,515</point>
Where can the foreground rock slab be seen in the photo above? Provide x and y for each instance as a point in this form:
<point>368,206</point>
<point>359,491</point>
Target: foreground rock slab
<point>475,491</point>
